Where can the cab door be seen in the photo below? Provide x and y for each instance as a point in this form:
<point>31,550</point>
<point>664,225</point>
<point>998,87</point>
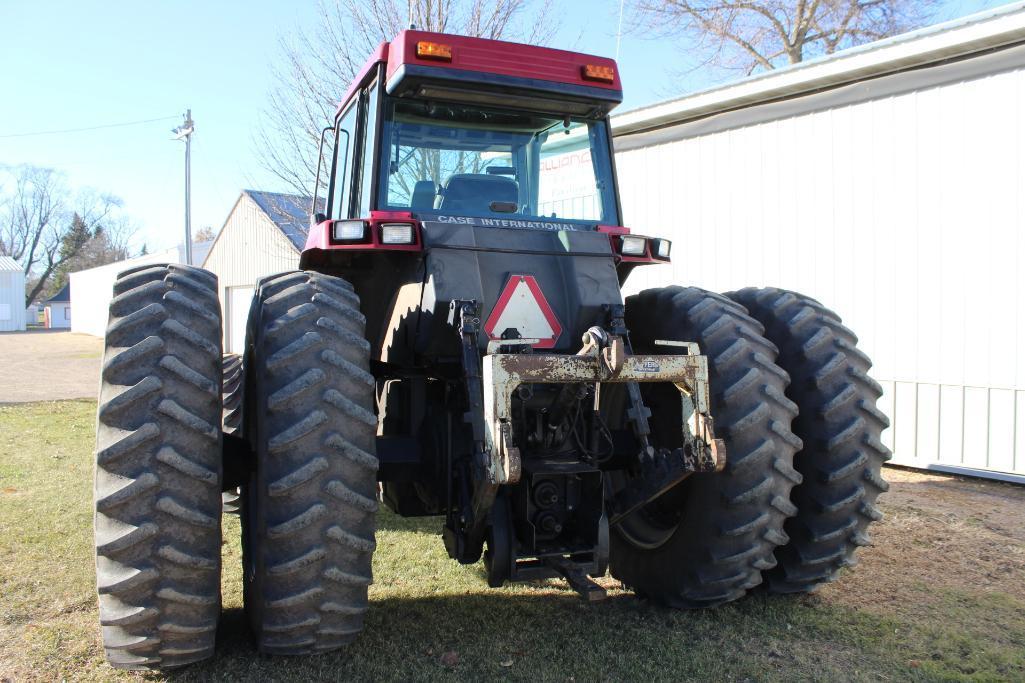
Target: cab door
<point>353,189</point>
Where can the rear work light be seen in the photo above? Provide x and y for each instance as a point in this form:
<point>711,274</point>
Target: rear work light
<point>661,248</point>
<point>429,50</point>
<point>594,72</point>
<point>397,233</point>
<point>632,246</point>
<point>349,231</point>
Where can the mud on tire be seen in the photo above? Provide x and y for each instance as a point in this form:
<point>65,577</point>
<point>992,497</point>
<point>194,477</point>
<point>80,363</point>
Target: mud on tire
<point>727,524</point>
<point>158,469</point>
<point>308,510</point>
<point>840,426</point>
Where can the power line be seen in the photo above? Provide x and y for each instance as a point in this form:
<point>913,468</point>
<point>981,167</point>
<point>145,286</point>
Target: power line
<point>82,130</point>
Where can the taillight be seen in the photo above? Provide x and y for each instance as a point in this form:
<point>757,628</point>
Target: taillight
<point>595,72</point>
<point>428,50</point>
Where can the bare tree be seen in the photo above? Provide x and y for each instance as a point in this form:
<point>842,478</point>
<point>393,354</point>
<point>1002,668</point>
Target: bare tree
<point>36,200</point>
<point>320,64</point>
<point>764,34</point>
<point>205,234</point>
<point>44,226</point>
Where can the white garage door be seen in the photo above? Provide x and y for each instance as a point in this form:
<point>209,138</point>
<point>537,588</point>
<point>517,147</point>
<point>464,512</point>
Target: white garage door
<point>237,300</point>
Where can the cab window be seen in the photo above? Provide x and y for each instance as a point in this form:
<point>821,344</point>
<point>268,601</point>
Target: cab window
<point>341,199</point>
<point>468,160</point>
<point>370,98</point>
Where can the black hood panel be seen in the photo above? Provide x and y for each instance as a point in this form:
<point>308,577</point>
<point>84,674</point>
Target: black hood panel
<point>574,269</point>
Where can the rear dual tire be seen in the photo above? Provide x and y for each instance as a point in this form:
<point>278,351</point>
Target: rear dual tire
<point>308,509</point>
<point>727,524</point>
<point>158,469</point>
<point>841,428</point>
<point>807,511</point>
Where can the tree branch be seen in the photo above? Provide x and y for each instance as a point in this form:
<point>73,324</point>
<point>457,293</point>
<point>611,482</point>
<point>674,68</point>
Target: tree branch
<point>321,62</point>
<point>753,34</point>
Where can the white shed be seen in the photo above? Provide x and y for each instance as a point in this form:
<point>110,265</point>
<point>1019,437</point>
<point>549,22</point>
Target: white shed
<point>12,296</point>
<point>57,309</point>
<point>886,181</point>
<point>92,289</point>
<point>263,235</point>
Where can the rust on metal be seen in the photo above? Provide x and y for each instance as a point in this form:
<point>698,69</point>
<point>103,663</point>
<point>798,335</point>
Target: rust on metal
<point>602,359</point>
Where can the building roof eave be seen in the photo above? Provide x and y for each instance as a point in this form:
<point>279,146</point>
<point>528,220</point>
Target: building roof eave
<point>979,32</point>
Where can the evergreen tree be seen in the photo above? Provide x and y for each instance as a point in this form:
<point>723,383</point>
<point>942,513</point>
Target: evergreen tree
<point>82,249</point>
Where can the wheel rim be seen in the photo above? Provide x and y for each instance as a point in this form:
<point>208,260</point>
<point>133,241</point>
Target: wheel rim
<point>651,526</point>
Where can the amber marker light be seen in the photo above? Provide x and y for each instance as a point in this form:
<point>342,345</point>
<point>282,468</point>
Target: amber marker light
<point>428,50</point>
<point>594,72</point>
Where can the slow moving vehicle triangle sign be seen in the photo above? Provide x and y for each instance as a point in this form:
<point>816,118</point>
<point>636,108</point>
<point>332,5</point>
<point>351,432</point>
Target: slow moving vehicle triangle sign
<point>523,306</point>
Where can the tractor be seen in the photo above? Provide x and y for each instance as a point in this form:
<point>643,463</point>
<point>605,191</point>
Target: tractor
<point>456,344</point>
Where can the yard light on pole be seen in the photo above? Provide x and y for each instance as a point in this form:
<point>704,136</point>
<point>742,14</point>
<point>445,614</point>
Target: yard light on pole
<point>184,132</point>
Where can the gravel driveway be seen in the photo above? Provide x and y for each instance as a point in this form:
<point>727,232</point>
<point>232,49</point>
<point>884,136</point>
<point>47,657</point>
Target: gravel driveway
<point>48,366</point>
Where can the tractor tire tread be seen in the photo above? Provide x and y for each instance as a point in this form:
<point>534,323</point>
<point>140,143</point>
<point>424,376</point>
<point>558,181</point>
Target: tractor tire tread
<point>732,521</point>
<point>158,470</point>
<point>312,514</point>
<point>840,426</point>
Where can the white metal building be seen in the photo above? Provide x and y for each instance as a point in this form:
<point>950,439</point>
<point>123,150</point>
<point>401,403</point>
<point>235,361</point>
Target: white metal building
<point>12,296</point>
<point>262,235</point>
<point>92,289</point>
<point>888,181</point>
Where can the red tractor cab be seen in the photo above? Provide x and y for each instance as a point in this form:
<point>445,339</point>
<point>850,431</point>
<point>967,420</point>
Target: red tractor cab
<point>463,130</point>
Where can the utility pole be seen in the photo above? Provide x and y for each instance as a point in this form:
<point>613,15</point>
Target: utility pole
<point>185,131</point>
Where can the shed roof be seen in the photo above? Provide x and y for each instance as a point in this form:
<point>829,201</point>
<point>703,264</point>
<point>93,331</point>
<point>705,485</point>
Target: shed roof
<point>289,212</point>
<point>971,35</point>
<point>7,264</point>
<point>63,296</point>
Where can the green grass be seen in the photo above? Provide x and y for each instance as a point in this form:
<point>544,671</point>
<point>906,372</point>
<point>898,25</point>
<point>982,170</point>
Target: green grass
<point>425,606</point>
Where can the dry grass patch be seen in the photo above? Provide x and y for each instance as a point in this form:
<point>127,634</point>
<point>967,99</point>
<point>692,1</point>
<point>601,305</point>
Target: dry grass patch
<point>942,534</point>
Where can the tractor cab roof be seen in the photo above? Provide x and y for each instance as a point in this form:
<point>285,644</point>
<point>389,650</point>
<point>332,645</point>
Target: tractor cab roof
<point>437,66</point>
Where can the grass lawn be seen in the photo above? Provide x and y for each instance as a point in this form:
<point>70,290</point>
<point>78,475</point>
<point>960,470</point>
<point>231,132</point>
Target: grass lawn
<point>941,597</point>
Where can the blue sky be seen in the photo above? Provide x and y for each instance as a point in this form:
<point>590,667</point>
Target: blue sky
<point>77,63</point>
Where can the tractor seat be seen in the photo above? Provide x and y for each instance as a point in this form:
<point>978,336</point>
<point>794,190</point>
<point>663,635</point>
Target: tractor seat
<point>474,192</point>
<point>424,192</point>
